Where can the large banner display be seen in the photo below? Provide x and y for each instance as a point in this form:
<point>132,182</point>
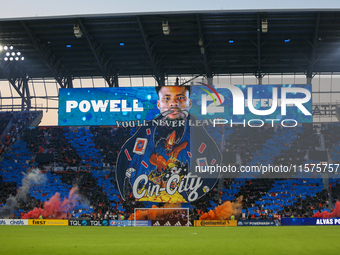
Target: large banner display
<point>231,103</point>
<point>170,142</point>
<point>13,222</point>
<point>309,221</point>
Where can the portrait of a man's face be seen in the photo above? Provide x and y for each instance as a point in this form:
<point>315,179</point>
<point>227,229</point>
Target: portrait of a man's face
<point>174,102</point>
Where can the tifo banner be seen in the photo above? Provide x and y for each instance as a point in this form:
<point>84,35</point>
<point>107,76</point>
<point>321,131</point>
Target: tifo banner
<point>257,223</point>
<point>169,145</point>
<point>215,223</point>
<point>309,221</point>
<point>13,222</point>
<point>48,222</point>
<point>169,223</point>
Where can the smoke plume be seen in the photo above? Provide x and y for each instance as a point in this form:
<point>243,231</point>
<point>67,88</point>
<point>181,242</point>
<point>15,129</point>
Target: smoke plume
<point>149,214</point>
<point>224,211</point>
<point>34,177</point>
<point>55,208</point>
<point>327,215</point>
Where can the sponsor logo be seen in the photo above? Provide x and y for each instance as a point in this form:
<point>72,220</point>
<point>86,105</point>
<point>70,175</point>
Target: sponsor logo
<point>13,222</point>
<point>213,223</point>
<point>188,224</point>
<point>178,224</point>
<point>17,222</point>
<point>74,223</point>
<point>167,224</point>
<point>142,223</point>
<point>39,222</point>
<point>84,223</point>
<point>95,223</point>
<point>49,222</point>
<point>156,224</point>
<point>255,223</point>
<point>105,223</point>
<point>328,222</point>
<point>116,223</point>
<point>216,223</point>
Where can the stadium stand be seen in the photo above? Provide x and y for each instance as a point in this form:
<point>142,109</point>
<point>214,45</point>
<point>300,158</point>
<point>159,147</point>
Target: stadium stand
<point>85,157</point>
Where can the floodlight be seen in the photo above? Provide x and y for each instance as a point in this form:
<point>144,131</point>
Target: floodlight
<point>264,26</point>
<point>166,28</point>
<point>77,31</point>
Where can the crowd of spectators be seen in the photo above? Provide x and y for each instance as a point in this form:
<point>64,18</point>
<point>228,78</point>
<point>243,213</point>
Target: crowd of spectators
<point>11,125</point>
<point>246,141</point>
<point>108,140</point>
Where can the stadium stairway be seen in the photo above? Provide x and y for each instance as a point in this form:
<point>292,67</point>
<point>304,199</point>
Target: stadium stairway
<point>280,142</point>
<point>81,140</point>
<point>7,189</point>
<point>217,134</point>
<point>105,180</point>
<point>334,184</point>
<point>253,190</point>
<point>286,193</point>
<point>88,187</point>
<point>15,163</point>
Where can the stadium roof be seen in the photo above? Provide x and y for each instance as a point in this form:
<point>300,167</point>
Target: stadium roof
<point>199,43</point>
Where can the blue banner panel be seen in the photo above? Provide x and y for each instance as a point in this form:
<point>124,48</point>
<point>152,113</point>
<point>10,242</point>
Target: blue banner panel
<point>105,106</point>
<point>133,106</point>
<point>257,223</point>
<point>142,223</point>
<point>129,223</point>
<point>309,221</point>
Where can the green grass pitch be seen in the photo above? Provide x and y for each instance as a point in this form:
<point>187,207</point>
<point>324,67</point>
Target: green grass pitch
<point>169,240</point>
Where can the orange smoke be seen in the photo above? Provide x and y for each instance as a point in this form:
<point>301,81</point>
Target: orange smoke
<point>224,211</point>
<point>327,215</point>
<point>149,214</point>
